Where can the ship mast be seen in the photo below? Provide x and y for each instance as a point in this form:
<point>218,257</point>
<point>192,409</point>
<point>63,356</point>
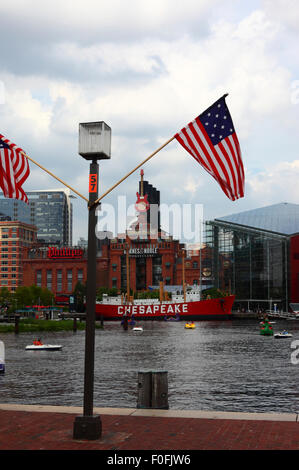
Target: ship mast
<point>128,273</point>
<point>184,283</point>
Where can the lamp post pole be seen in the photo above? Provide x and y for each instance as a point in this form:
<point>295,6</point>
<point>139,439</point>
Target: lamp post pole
<point>91,291</point>
<point>94,145</point>
<point>89,426</point>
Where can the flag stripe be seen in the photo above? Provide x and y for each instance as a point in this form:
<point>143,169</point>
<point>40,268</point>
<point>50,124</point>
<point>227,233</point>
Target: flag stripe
<point>239,154</point>
<point>234,156</point>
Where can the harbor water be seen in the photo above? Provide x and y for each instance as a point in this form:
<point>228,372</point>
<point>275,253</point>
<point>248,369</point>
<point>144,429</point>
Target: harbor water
<point>219,366</point>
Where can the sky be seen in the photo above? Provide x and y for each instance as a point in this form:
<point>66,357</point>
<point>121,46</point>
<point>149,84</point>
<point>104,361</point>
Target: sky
<point>147,69</point>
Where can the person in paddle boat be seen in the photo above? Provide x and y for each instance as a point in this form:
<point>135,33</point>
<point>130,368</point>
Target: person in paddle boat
<point>37,342</point>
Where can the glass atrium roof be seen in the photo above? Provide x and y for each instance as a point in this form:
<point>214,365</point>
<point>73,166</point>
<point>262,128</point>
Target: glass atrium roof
<point>279,218</point>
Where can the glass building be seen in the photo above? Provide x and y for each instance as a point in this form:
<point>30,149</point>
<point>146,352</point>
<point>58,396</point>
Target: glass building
<point>255,255</point>
<point>49,210</point>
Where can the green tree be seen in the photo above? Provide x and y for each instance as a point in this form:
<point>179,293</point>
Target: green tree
<point>213,293</point>
<point>80,295</point>
<point>105,290</point>
<point>22,297</point>
<point>46,297</point>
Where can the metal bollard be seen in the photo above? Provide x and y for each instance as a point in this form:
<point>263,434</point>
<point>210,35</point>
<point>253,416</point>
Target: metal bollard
<point>152,390</point>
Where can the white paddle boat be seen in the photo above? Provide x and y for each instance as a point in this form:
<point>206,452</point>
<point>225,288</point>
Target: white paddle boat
<point>283,334</point>
<point>39,346</point>
<point>137,328</point>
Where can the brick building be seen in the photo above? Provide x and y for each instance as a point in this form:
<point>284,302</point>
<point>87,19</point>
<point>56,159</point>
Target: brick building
<point>15,240</point>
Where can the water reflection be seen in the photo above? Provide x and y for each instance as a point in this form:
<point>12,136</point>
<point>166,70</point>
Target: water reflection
<point>224,366</point>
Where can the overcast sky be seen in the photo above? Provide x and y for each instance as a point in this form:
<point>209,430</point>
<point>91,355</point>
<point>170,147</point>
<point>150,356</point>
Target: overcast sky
<point>147,69</point>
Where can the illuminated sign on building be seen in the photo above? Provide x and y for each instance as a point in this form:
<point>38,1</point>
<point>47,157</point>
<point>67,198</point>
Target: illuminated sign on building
<point>149,251</point>
<point>64,253</point>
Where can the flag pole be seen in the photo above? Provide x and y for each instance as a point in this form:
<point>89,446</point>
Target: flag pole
<point>136,168</point>
<point>56,177</point>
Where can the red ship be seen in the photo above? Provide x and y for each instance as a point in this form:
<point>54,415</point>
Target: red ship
<point>111,308</point>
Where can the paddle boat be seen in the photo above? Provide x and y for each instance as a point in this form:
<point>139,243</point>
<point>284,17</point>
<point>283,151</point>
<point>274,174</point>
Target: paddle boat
<point>283,334</point>
<point>266,329</point>
<point>137,328</point>
<point>190,325</point>
<point>39,346</point>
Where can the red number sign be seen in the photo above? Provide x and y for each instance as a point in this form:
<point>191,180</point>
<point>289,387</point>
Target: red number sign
<point>93,183</point>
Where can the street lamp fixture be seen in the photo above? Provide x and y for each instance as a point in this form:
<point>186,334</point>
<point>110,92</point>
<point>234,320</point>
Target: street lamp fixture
<point>94,145</point>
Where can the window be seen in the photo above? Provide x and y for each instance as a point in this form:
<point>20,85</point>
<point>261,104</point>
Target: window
<point>69,280</point>
<point>49,279</point>
<point>38,275</point>
<point>80,275</point>
<point>195,264</point>
<point>59,280</point>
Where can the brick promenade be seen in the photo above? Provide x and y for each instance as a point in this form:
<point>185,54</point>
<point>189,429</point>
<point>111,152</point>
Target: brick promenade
<point>51,428</point>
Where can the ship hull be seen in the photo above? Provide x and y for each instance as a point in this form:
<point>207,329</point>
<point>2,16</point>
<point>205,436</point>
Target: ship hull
<point>211,309</point>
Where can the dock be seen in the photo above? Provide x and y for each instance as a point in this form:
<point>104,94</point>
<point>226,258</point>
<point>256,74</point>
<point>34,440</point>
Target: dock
<point>40,427</point>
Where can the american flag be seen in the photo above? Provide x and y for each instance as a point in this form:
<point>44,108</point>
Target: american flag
<point>211,139</point>
<point>14,170</point>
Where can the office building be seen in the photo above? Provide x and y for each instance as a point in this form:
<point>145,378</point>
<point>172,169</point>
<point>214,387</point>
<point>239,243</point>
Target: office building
<point>49,210</point>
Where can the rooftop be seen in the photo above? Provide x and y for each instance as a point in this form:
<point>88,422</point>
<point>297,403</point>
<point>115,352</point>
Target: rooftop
<point>280,218</point>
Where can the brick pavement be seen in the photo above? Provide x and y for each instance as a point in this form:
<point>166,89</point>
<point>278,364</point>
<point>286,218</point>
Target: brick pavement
<point>52,430</point>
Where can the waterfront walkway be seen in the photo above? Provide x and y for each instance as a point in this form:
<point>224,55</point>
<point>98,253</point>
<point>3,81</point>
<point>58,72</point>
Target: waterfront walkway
<point>27,427</point>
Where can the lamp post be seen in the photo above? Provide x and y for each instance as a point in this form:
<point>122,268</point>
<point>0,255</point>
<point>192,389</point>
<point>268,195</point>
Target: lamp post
<point>94,145</point>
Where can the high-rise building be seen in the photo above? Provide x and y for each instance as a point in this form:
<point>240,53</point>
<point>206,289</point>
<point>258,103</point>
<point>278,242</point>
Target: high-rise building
<point>15,239</point>
<point>49,210</point>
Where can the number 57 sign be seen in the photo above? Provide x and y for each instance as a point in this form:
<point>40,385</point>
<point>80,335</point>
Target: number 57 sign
<point>93,183</point>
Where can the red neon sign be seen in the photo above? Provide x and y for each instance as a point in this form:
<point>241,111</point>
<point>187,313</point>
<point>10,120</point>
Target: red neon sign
<point>64,253</point>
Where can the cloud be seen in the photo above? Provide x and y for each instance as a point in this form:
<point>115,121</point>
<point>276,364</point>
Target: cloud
<point>277,183</point>
<point>147,70</point>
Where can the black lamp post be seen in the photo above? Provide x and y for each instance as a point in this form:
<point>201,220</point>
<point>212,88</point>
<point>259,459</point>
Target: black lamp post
<point>94,144</point>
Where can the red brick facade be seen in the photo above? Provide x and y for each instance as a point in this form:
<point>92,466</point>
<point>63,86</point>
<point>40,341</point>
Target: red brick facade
<point>60,275</point>
<point>149,263</point>
<point>15,239</point>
